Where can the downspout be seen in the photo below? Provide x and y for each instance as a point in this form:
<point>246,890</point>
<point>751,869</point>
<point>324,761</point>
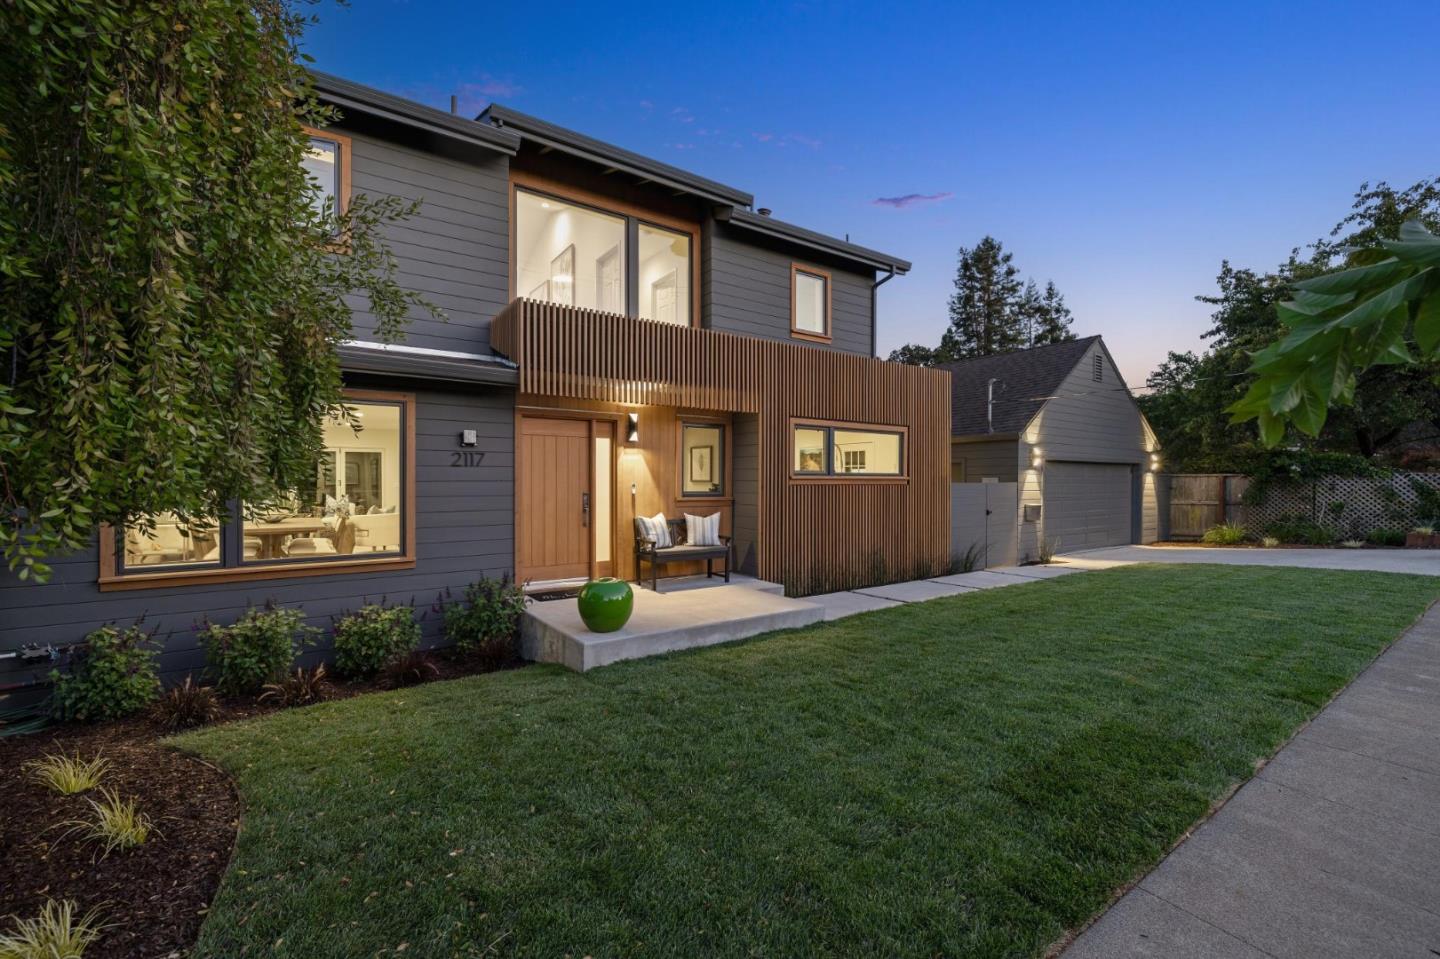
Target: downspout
<point>875,306</point>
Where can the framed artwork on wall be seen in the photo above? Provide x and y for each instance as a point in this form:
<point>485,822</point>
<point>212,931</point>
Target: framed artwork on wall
<point>702,464</point>
<point>562,277</point>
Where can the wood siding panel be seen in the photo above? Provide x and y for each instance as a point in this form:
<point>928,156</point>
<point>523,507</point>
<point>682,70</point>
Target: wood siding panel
<point>812,536</point>
<point>453,251</point>
<point>464,529</point>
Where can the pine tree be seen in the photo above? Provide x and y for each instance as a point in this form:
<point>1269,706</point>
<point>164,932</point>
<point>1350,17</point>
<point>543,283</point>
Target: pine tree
<point>1052,324</point>
<point>983,315</point>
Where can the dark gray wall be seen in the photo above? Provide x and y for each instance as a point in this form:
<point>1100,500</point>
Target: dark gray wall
<point>997,458</point>
<point>745,447</point>
<point>463,530</point>
<point>454,251</point>
<point>745,288</point>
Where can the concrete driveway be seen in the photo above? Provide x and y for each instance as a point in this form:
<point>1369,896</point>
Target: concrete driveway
<point>1426,562</point>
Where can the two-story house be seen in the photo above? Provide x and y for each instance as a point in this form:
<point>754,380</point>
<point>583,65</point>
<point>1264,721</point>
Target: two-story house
<point>622,338</point>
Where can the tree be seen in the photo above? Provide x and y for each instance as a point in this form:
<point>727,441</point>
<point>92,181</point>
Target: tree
<point>171,299</point>
<point>983,315</point>
<point>1045,317</point>
<point>992,312</point>
<point>1380,307</point>
<point>913,354</point>
<point>1191,396</point>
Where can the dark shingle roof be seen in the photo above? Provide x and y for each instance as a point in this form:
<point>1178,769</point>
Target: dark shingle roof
<point>1026,378</point>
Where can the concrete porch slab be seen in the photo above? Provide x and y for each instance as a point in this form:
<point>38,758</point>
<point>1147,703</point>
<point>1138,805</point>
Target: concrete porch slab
<point>679,584</point>
<point>840,605</point>
<point>915,591</point>
<point>552,632</point>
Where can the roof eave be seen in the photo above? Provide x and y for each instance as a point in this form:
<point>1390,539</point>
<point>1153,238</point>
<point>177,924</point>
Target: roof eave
<point>779,229</point>
<point>587,148</point>
<point>354,96</point>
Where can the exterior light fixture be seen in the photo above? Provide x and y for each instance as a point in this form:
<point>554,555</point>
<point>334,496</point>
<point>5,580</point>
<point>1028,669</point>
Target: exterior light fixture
<point>632,431</point>
<point>1154,462</point>
<point>1037,458</point>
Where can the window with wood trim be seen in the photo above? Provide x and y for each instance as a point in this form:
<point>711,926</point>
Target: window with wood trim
<point>843,450</point>
<point>327,163</point>
<point>809,303</point>
<point>359,510</point>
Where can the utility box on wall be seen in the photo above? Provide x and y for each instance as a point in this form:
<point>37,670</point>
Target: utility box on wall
<point>1032,512</point>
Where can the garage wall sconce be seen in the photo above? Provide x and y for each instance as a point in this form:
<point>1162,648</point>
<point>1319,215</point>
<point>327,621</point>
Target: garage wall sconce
<point>632,428</point>
<point>1037,459</point>
<point>1154,462</point>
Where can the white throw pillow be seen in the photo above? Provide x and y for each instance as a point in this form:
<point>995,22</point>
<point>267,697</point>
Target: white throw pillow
<point>702,530</point>
<point>657,530</point>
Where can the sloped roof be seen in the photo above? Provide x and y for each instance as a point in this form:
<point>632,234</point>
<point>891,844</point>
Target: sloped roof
<point>1025,380</point>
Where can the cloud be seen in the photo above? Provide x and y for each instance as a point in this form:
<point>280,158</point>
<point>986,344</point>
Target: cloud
<point>910,199</point>
<point>683,115</point>
<point>646,105</point>
<point>785,139</point>
<point>681,146</point>
<point>472,96</point>
<point>803,140</point>
<point>763,137</point>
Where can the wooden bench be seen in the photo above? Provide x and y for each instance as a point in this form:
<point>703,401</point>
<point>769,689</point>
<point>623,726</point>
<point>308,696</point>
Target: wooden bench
<point>680,552</point>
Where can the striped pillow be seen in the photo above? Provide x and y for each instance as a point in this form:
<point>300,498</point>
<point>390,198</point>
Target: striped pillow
<point>656,529</point>
<point>702,530</point>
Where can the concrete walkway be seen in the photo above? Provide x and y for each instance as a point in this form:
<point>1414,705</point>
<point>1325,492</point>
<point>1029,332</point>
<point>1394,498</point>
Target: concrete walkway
<point>1332,850</point>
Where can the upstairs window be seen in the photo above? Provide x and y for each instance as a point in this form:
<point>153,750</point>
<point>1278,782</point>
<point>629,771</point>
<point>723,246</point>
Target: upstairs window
<point>595,259</point>
<point>326,163</point>
<point>569,254</point>
<point>809,303</point>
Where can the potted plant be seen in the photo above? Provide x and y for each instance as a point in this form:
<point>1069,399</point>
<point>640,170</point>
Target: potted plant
<point>1421,537</point>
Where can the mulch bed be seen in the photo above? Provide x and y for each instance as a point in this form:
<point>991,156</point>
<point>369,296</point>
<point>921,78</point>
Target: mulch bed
<point>154,896</point>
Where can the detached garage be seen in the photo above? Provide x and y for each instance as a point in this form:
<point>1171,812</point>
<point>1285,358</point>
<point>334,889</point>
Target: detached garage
<point>1059,422</point>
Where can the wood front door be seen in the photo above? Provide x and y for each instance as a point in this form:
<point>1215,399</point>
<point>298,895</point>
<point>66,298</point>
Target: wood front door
<point>554,499</point>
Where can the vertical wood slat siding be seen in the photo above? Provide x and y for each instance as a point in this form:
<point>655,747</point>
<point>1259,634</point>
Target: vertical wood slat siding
<point>812,536</point>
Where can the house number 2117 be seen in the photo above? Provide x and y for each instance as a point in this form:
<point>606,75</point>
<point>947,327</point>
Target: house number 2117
<point>466,458</point>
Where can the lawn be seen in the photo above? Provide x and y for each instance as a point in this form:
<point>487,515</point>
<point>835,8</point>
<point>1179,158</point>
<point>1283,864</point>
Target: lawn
<point>965,777</point>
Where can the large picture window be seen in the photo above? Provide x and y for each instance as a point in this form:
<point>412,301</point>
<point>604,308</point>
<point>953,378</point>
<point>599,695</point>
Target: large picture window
<point>585,256</point>
<point>355,511</point>
<point>841,450</point>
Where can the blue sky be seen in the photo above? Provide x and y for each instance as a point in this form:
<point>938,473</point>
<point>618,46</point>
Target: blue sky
<point>1122,150</point>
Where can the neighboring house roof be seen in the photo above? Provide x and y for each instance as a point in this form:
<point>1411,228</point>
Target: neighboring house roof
<point>1026,379</point>
<point>354,96</point>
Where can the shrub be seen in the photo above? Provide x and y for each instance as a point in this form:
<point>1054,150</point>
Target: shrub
<point>1225,534</point>
<point>57,933</point>
<point>1047,550</point>
<point>187,705</point>
<point>966,562</point>
<point>1353,543</point>
<point>367,640</point>
<point>300,688</point>
<point>1386,536</point>
<point>486,620</point>
<point>1298,529</point>
<point>410,669</point>
<point>257,649</point>
<point>115,823</point>
<point>1269,542</point>
<point>112,674</point>
<point>67,775</point>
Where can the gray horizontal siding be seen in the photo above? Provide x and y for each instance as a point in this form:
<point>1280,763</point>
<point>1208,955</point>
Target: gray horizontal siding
<point>464,529</point>
<point>454,251</point>
<point>745,288</point>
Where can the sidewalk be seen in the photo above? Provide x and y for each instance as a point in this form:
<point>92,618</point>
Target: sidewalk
<point>1332,850</point>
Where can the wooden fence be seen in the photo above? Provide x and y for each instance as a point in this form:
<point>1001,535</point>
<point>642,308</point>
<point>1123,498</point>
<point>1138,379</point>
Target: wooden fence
<point>1198,501</point>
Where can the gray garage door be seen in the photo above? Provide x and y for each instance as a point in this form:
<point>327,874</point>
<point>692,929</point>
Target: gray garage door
<point>1087,505</point>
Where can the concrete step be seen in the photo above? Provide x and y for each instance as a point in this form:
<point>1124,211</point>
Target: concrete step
<point>552,632</point>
